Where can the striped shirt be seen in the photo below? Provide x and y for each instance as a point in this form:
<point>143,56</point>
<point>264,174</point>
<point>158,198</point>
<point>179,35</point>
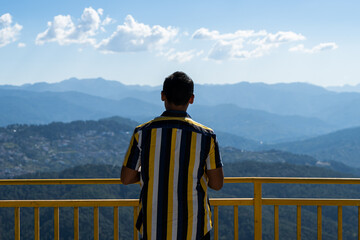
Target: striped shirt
<point>173,151</point>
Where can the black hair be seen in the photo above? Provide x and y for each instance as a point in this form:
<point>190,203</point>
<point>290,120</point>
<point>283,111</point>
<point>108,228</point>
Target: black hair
<point>178,88</point>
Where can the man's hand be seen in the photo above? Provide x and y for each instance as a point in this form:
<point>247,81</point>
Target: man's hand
<point>129,175</point>
<point>216,178</point>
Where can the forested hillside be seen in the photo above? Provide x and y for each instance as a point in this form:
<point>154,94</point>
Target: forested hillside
<point>56,146</point>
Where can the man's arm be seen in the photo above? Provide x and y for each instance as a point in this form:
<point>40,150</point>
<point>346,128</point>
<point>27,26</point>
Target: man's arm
<point>216,178</point>
<point>129,175</point>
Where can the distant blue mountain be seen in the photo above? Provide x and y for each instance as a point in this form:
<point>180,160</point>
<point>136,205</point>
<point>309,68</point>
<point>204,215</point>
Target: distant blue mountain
<point>258,125</point>
<point>338,109</point>
<point>341,146</point>
<point>96,87</point>
<point>20,106</point>
<point>345,88</point>
<point>258,111</point>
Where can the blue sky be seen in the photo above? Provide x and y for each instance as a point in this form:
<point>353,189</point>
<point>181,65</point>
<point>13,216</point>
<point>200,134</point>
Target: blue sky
<point>141,42</point>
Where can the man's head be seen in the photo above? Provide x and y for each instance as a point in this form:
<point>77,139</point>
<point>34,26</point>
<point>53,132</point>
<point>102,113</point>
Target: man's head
<point>178,90</point>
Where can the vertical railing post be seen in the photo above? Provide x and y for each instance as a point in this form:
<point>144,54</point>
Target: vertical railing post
<point>276,222</point>
<point>319,223</point>
<point>257,211</point>
<point>359,223</point>
<point>339,222</point>
<point>56,224</point>
<point>76,223</point>
<point>96,223</point>
<point>135,219</point>
<point>116,223</point>
<point>17,223</point>
<point>236,222</point>
<point>216,222</point>
<point>37,223</point>
<point>298,222</point>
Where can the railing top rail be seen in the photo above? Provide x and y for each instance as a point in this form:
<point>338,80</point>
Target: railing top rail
<point>71,203</point>
<point>60,181</point>
<point>84,181</point>
<point>213,202</point>
<point>292,180</point>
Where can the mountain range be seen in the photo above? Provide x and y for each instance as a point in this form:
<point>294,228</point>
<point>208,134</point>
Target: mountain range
<point>22,106</point>
<point>269,113</point>
<point>298,117</point>
<point>300,99</point>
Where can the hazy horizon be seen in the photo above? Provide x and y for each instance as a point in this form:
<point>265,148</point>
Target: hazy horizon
<point>160,85</point>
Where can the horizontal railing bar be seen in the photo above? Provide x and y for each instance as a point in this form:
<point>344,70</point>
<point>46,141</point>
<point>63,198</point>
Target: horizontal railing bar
<point>311,201</point>
<point>213,202</point>
<point>286,180</point>
<point>60,181</point>
<point>71,203</point>
<point>231,201</point>
<point>110,202</point>
<point>292,180</point>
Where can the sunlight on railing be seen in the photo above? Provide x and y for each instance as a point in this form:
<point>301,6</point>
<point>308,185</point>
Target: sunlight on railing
<point>257,202</point>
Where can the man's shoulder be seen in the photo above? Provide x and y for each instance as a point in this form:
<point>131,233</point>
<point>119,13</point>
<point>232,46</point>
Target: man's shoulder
<point>164,121</point>
<point>137,128</point>
<point>202,126</point>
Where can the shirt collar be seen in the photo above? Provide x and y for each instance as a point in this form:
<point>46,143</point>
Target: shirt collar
<point>174,113</point>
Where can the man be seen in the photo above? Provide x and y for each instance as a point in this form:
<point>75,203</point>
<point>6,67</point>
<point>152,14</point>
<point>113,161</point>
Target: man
<point>178,158</point>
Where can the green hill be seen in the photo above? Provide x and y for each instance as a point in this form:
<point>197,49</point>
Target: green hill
<point>233,155</point>
<point>56,146</point>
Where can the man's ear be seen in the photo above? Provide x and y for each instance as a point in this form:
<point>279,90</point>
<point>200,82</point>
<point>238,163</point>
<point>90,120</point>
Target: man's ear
<point>191,100</point>
<point>163,96</point>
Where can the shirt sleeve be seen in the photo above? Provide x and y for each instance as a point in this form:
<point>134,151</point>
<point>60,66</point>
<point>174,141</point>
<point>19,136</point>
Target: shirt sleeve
<point>132,157</point>
<point>213,160</point>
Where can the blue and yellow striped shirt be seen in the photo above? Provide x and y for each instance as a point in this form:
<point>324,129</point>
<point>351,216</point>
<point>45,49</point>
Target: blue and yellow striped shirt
<point>173,151</point>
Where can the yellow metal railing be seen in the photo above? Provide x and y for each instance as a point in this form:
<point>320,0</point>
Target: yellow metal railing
<point>257,202</point>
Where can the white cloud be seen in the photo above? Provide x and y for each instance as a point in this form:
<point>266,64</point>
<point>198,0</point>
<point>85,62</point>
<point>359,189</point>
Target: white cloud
<point>64,31</point>
<point>107,21</point>
<point>21,45</point>
<point>100,11</point>
<point>206,34</point>
<point>181,57</point>
<point>133,37</point>
<point>225,50</point>
<point>243,44</point>
<point>318,48</point>
<point>8,31</point>
<point>281,37</point>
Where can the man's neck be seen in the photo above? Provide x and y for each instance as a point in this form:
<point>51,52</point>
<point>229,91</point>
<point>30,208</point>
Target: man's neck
<point>171,106</point>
